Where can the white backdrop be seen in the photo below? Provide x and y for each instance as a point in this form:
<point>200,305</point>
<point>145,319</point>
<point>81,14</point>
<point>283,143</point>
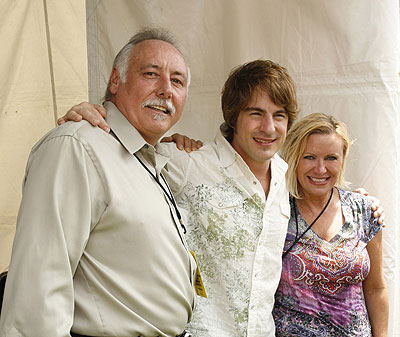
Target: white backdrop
<point>43,69</point>
<point>343,56</point>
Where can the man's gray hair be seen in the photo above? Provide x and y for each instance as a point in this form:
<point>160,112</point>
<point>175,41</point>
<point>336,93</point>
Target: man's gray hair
<point>121,61</point>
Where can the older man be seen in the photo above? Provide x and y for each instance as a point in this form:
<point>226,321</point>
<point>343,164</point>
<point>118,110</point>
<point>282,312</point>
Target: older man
<point>99,248</point>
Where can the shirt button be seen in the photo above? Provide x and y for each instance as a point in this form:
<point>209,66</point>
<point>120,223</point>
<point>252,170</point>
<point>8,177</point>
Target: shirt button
<point>254,182</point>
<point>146,146</point>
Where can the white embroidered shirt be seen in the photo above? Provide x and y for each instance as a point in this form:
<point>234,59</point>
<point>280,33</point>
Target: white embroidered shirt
<point>237,235</point>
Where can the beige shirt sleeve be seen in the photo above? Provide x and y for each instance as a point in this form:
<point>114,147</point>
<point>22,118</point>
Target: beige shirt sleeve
<point>49,240</point>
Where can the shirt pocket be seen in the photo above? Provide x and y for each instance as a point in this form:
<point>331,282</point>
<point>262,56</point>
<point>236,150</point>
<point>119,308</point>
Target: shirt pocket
<point>277,224</point>
<point>223,205</point>
<point>220,212</point>
<point>285,209</point>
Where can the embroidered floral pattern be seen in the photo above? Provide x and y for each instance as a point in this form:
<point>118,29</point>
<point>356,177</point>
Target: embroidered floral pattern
<point>215,228</point>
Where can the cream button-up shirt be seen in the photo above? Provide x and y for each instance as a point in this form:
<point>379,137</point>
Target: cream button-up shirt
<point>98,248</point>
<point>237,234</point>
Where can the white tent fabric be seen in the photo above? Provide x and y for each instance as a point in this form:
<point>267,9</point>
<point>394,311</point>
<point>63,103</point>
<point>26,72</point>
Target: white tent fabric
<point>43,69</point>
<point>343,56</point>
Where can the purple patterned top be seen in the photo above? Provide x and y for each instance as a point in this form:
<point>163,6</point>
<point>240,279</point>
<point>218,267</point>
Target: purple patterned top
<point>320,291</point>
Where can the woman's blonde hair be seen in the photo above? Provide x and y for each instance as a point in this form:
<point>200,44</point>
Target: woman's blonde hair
<point>296,140</point>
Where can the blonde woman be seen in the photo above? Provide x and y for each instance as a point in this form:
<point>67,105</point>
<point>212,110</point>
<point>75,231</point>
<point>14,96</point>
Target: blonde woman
<point>332,280</point>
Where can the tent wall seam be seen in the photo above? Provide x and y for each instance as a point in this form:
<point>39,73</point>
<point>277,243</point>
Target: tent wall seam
<point>50,56</point>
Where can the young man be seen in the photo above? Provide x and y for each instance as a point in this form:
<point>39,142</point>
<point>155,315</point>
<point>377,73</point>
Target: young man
<point>99,248</point>
<point>234,195</point>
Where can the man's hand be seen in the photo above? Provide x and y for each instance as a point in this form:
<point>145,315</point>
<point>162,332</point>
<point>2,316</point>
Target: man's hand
<point>376,207</point>
<point>183,142</point>
<point>93,113</point>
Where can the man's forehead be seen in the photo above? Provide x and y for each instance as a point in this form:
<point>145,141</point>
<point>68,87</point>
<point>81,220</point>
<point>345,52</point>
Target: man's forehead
<point>158,53</point>
<point>259,93</point>
<point>260,97</point>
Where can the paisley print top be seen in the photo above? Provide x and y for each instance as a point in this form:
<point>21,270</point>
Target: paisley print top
<point>320,292</point>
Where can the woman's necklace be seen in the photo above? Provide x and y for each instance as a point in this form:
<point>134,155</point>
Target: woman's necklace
<point>308,228</point>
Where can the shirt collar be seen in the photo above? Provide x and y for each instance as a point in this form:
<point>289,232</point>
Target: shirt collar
<point>227,153</point>
<point>127,134</point>
<point>132,140</point>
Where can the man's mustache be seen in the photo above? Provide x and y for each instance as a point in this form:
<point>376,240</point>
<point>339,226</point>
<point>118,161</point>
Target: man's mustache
<point>160,102</point>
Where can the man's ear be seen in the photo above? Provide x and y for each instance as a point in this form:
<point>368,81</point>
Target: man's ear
<point>114,81</point>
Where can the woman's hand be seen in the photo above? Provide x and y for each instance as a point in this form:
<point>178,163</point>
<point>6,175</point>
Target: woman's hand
<point>183,142</point>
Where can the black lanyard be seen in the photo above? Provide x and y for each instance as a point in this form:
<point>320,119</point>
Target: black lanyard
<point>169,195</point>
<point>308,228</point>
